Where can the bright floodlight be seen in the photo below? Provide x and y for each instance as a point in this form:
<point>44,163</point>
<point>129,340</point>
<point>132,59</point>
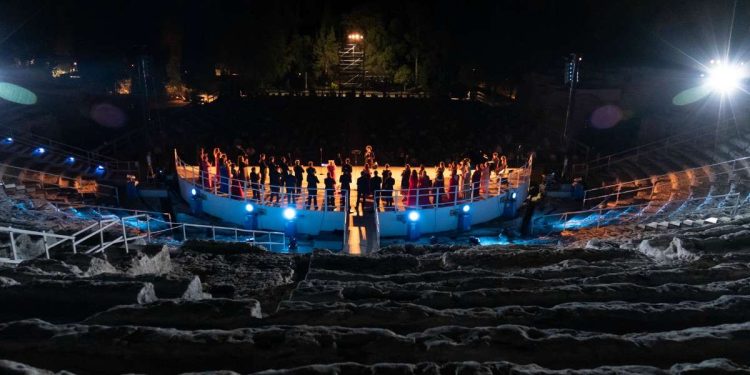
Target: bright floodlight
<point>290,213</point>
<point>249,207</point>
<point>724,78</point>
<point>39,151</point>
<point>193,192</point>
<point>70,160</point>
<point>413,216</point>
<point>7,141</point>
<point>466,208</point>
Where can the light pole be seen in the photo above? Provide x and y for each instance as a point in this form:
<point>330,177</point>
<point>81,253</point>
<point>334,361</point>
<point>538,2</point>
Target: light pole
<point>571,77</point>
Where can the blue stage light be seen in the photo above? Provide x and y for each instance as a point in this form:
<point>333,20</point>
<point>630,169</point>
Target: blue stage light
<point>7,141</point>
<point>193,192</point>
<point>413,216</point>
<point>513,195</point>
<point>466,208</point>
<point>290,213</point>
<point>249,207</point>
<point>70,160</point>
<point>39,151</point>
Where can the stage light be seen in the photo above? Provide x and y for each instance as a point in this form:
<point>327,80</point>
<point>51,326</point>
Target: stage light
<point>724,78</point>
<point>39,151</point>
<point>290,213</point>
<point>466,208</point>
<point>413,216</point>
<point>99,170</point>
<point>513,195</point>
<point>249,207</point>
<point>70,160</point>
<point>7,141</point>
<point>193,192</point>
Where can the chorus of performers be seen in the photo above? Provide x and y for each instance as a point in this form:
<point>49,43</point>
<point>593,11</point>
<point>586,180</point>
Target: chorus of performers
<point>277,181</point>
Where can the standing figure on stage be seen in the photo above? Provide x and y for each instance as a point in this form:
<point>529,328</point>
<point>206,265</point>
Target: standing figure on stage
<point>224,175</point>
<point>291,188</point>
<point>205,175</point>
<point>363,190</point>
<point>466,179</point>
<point>495,166</point>
<point>274,175</point>
<point>388,183</point>
<point>331,168</point>
<point>375,187</point>
<point>345,180</point>
<point>299,174</point>
<point>312,186</point>
<point>255,185</point>
<point>262,169</point>
<point>237,190</point>
<point>369,156</point>
<point>439,187</point>
<point>425,189</point>
<point>476,179</point>
<point>347,167</point>
<point>405,174</point>
<point>411,195</point>
<point>330,184</point>
<point>484,184</point>
<point>453,186</point>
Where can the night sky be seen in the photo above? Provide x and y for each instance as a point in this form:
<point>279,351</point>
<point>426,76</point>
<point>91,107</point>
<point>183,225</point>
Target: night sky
<point>495,36</point>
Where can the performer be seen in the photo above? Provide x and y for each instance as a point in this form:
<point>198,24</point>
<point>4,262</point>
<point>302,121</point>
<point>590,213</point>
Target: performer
<point>255,186</point>
<point>262,168</point>
<point>363,190</point>
<point>369,156</point>
<point>299,175</point>
<point>312,186</point>
<point>330,184</point>
<point>331,167</point>
<point>388,182</point>
<point>375,187</point>
<point>345,180</point>
<point>411,195</point>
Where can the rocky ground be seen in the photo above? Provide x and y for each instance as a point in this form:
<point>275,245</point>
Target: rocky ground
<point>669,303</point>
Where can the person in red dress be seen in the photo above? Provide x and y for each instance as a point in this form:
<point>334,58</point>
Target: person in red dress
<point>237,192</point>
<point>332,168</point>
<point>411,194</point>
<point>453,186</point>
<point>425,189</point>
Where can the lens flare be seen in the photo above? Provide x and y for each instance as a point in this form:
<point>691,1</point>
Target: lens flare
<point>16,94</point>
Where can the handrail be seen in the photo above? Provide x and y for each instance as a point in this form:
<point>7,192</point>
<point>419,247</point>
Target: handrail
<point>183,226</point>
<point>564,215</point>
<point>65,150</point>
<point>75,181</point>
<point>588,192</point>
<point>44,234</point>
<point>60,206</point>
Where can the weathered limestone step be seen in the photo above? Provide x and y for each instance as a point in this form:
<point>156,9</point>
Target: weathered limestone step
<point>167,286</point>
<point>489,257</point>
<point>86,348</point>
<point>588,316</point>
<point>68,301</point>
<point>710,366</point>
<point>219,313</point>
<point>508,282</point>
<point>550,296</point>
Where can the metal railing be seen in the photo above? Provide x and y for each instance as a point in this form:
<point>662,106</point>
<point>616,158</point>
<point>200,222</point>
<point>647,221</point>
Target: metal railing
<point>182,231</point>
<point>47,246</point>
<point>640,215</point>
<point>264,194</point>
<point>45,179</point>
<point>99,209</point>
<point>592,194</point>
<point>453,195</point>
<point>65,150</point>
